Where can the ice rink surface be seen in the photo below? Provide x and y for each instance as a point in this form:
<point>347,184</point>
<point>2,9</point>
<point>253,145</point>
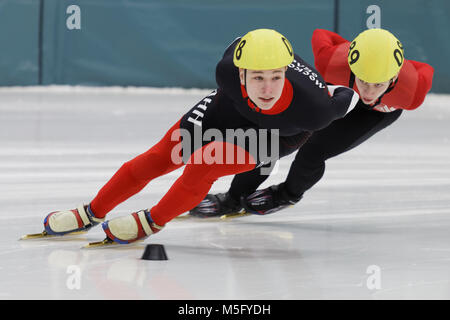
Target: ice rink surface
<point>377,226</point>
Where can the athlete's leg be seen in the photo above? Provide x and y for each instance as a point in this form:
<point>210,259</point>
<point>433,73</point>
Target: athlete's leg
<point>196,180</point>
<point>340,136</point>
<point>135,174</point>
<point>246,183</point>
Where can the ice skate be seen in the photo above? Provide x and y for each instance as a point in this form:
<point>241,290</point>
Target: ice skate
<point>124,230</point>
<point>60,223</point>
<point>217,205</point>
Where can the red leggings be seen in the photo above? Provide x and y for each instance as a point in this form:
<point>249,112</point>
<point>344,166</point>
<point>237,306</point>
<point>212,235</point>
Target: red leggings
<point>187,191</point>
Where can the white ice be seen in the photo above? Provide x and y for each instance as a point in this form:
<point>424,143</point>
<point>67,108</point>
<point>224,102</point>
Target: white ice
<point>377,226</point>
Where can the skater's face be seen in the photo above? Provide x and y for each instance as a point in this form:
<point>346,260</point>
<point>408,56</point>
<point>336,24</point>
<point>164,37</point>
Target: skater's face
<point>264,87</point>
<point>370,92</point>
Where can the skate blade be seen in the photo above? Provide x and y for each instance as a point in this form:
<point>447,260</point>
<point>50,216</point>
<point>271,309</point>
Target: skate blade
<point>44,234</point>
<point>107,242</point>
<point>230,216</point>
<point>183,217</point>
<point>196,218</point>
<point>103,243</point>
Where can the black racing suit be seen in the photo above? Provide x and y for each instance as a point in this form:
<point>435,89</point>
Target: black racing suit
<point>310,109</point>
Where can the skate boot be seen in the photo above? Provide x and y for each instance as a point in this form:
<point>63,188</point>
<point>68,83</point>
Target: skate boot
<point>59,223</point>
<point>270,200</point>
<point>137,226</point>
<point>216,205</point>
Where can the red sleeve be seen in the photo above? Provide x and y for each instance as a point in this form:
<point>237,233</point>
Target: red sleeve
<point>414,82</point>
<point>324,43</point>
<point>424,81</point>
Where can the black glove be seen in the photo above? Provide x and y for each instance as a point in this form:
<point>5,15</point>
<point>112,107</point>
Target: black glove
<point>269,200</point>
<point>216,205</point>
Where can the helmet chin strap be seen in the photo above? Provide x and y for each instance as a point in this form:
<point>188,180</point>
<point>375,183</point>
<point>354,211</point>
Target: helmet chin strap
<point>391,86</point>
<point>258,109</point>
<point>245,79</point>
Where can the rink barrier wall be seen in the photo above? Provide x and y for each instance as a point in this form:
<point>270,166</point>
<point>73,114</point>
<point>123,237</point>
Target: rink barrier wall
<point>177,43</point>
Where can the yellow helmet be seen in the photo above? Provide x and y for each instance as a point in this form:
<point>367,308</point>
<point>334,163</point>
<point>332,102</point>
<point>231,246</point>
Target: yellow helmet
<point>375,56</point>
<point>263,49</point>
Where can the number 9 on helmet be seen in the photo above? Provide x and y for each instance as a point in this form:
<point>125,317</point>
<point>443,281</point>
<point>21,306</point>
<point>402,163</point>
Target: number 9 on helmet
<point>375,56</point>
